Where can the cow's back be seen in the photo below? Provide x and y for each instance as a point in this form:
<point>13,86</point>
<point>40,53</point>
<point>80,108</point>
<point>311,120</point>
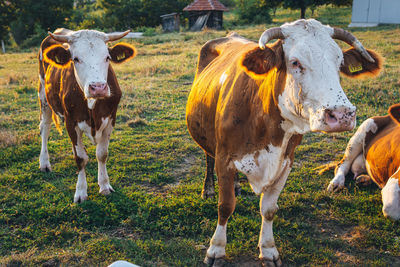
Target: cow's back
<point>218,69</point>
<point>381,150</point>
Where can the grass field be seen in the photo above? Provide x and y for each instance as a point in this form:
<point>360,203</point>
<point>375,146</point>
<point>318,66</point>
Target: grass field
<point>156,216</point>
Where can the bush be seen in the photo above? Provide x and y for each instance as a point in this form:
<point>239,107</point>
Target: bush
<point>253,11</point>
<point>36,38</point>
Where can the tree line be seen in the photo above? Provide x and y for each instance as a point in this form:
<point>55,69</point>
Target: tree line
<point>27,21</point>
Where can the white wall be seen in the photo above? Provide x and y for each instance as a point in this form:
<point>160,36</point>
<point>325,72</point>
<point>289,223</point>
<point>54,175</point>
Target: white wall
<point>374,12</point>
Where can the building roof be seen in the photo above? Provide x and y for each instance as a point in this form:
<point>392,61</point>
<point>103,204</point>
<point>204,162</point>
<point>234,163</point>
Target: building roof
<point>205,5</point>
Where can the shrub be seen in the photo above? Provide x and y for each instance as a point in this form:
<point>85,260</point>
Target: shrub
<point>253,11</point>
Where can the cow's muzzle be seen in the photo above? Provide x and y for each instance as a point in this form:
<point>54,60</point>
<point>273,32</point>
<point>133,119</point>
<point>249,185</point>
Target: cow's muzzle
<point>339,119</point>
<point>98,90</point>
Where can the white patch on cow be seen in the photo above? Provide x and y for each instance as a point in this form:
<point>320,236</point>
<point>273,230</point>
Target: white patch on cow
<point>42,89</point>
<point>358,166</point>
<point>105,122</point>
<point>268,208</point>
<point>103,138</point>
<point>81,187</point>
<point>91,102</point>
<point>217,243</point>
<point>90,54</point>
<point>79,148</point>
<point>45,124</point>
<point>354,148</point>
<point>391,199</point>
<point>84,127</point>
<point>315,86</point>
<point>263,167</point>
<point>222,79</point>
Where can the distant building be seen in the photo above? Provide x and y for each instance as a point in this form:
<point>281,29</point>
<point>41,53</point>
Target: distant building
<point>170,22</point>
<point>205,13</point>
<point>369,13</point>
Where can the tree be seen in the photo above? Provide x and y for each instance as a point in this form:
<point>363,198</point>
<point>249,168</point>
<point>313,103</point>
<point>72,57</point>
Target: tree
<point>341,2</point>
<point>5,18</point>
<point>253,11</point>
<point>33,16</point>
<point>123,14</point>
<point>303,5</point>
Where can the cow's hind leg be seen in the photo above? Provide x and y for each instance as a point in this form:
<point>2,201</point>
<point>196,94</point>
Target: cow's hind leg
<point>102,154</point>
<point>269,254</point>
<point>226,205</point>
<point>363,180</point>
<point>353,150</point>
<point>208,186</point>
<point>45,124</point>
<point>81,159</point>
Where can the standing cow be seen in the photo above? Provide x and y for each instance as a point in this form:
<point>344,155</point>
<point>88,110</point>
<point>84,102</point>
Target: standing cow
<point>251,103</point>
<point>78,84</point>
<point>374,150</point>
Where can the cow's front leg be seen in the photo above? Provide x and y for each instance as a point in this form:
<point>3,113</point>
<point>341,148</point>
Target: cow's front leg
<point>269,254</point>
<point>102,155</point>
<point>81,159</point>
<point>45,124</point>
<point>353,151</point>
<point>226,205</point>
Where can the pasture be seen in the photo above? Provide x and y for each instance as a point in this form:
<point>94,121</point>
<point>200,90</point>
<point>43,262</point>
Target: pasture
<point>156,217</point>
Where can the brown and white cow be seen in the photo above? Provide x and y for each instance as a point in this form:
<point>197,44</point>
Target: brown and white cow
<point>251,103</point>
<point>78,84</point>
<point>373,154</point>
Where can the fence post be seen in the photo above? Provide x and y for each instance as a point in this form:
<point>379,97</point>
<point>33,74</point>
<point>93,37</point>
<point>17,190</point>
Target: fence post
<point>3,47</point>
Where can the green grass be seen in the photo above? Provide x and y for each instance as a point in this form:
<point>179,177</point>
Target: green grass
<point>156,216</point>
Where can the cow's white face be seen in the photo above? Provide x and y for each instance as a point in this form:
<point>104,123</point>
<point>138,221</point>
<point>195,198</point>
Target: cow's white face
<point>91,59</point>
<point>391,199</point>
<point>313,97</point>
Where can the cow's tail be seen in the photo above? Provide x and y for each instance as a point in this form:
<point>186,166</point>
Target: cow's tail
<point>326,167</point>
<point>57,123</point>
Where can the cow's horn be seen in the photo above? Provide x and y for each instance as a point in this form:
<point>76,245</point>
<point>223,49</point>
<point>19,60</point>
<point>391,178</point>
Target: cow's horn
<point>350,39</point>
<point>59,38</point>
<point>268,35</point>
<point>116,36</point>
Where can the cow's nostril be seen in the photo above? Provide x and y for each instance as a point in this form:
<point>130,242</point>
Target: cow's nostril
<point>330,116</point>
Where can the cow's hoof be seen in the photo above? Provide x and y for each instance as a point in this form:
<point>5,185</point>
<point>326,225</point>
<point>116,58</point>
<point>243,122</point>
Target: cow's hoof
<point>238,190</point>
<point>363,180</point>
<point>79,198</point>
<point>336,184</point>
<point>207,194</point>
<point>46,168</point>
<point>271,263</point>
<point>219,262</point>
<point>106,190</point>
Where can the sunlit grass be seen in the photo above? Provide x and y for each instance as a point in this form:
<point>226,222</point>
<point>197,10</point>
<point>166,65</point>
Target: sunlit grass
<point>156,216</point>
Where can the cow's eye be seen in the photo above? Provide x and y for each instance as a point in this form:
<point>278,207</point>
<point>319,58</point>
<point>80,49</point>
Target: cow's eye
<point>108,58</point>
<point>295,63</point>
<point>76,60</point>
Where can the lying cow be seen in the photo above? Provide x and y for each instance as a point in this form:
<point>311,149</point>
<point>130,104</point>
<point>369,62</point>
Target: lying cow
<point>251,103</point>
<point>78,84</point>
<point>374,150</point>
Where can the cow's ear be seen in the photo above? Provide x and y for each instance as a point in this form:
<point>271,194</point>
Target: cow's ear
<point>356,66</point>
<point>258,62</point>
<point>122,52</point>
<point>57,55</point>
<point>394,112</point>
